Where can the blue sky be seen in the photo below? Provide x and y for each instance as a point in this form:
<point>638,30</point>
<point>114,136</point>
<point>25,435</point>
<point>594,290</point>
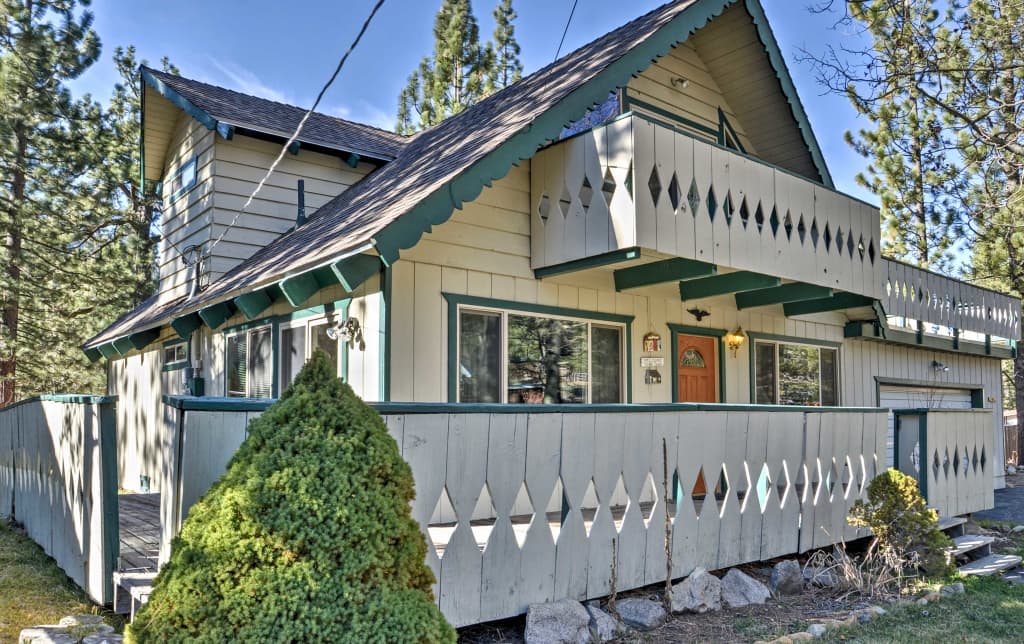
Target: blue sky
<point>286,50</point>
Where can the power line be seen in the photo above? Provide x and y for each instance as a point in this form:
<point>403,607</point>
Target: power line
<point>568,22</point>
<point>298,130</point>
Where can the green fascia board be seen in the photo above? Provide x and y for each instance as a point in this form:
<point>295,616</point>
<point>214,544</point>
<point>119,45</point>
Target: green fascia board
<point>253,303</point>
<point>143,339</point>
<point>93,354</point>
<point>871,331</point>
<point>217,314</point>
<point>123,345</point>
<point>594,261</point>
<point>696,289</point>
<point>837,302</point>
<point>405,231</point>
<point>794,292</point>
<point>668,270</point>
<point>299,288</point>
<point>107,350</point>
<point>351,272</point>
<point>186,324</point>
<point>353,160</point>
<point>178,100</point>
<point>778,63</point>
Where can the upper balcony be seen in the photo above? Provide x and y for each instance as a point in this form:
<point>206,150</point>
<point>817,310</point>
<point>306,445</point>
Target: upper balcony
<point>635,183</point>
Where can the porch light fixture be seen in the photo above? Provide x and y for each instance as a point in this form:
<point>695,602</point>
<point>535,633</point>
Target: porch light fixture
<point>939,366</point>
<point>735,339</point>
<point>348,332</point>
<point>679,82</point>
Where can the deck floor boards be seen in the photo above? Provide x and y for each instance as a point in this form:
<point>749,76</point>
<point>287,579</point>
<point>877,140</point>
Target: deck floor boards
<point>139,516</point>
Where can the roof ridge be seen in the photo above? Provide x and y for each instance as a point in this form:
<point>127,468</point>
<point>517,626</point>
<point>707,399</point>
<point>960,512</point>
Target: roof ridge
<point>165,75</point>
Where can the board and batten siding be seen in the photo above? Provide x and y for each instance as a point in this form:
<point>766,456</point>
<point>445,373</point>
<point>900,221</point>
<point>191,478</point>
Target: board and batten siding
<point>483,251</point>
<point>699,101</point>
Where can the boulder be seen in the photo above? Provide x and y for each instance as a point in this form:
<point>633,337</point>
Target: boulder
<point>81,620</point>
<point>1017,528</point>
<point>565,621</point>
<point>46,634</point>
<point>740,589</point>
<point>817,630</point>
<point>603,626</point>
<point>641,614</point>
<point>698,593</point>
<point>956,588</point>
<point>821,577</point>
<point>787,578</point>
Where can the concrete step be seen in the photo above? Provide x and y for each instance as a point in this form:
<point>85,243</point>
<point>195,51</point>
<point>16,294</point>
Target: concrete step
<point>990,565</point>
<point>976,544</point>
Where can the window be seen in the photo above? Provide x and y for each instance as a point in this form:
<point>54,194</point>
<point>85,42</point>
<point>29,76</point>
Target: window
<point>175,356</point>
<point>795,374</point>
<point>300,339</point>
<point>183,179</point>
<point>249,363</point>
<point>515,357</point>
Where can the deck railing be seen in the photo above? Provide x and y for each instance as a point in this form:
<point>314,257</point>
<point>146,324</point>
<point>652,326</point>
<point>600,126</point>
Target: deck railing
<point>527,504</point>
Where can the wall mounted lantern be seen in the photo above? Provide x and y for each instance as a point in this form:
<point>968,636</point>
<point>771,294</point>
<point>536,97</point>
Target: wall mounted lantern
<point>735,339</point>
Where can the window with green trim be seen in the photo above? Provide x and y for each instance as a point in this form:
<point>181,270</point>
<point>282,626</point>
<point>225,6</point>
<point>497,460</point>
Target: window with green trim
<point>795,374</point>
<point>249,363</point>
<point>301,338</point>
<point>175,356</point>
<point>518,357</point>
<point>183,179</point>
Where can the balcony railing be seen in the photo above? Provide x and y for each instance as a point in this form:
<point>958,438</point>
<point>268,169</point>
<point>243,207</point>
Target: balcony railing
<point>637,183</point>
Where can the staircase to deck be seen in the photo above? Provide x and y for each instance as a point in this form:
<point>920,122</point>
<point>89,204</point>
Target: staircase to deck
<point>973,552</point>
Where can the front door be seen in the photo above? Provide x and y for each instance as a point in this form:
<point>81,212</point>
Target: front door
<point>696,368</point>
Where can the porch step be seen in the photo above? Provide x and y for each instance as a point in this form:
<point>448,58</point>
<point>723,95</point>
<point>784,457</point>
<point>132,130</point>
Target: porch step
<point>131,591</point>
<point>954,526</point>
<point>990,565</point>
<point>971,543</point>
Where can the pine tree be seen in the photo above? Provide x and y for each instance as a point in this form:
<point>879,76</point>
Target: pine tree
<point>461,71</point>
<point>507,67</point>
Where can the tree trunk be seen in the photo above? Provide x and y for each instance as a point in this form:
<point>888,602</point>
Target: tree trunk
<point>11,308</point>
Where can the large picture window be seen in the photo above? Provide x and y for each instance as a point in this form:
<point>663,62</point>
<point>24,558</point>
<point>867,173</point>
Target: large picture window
<point>300,339</point>
<point>249,363</point>
<point>517,357</point>
<point>795,374</point>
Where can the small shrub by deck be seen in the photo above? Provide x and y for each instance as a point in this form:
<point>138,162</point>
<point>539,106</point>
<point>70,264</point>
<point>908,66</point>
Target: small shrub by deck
<point>905,529</point>
<point>308,536</point>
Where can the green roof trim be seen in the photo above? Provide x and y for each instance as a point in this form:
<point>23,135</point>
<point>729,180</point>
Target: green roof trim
<point>582,264</point>
<point>351,272</point>
<point>255,302</point>
<point>177,99</point>
<point>123,345</point>
<point>93,354</point>
<point>299,288</point>
<point>872,331</point>
<point>668,270</point>
<point>186,324</point>
<point>217,314</point>
<point>771,46</point>
<point>793,292</point>
<point>699,288</point>
<point>107,350</point>
<point>142,339</point>
<point>837,302</point>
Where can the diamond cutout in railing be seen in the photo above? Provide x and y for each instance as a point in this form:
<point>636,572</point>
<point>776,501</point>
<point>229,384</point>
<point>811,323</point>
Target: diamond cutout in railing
<point>860,247</point>
<point>629,181</point>
<point>712,203</point>
<point>483,519</point>
<point>586,194</point>
<point>788,225</point>
<point>831,477</point>
<point>862,477</point>
<point>800,486</point>
<point>654,185</point>
<point>801,229</point>
<point>773,221</point>
<point>850,245</point>
<point>619,503</point>
<point>984,460</point>
<point>744,213</point>
<point>675,194</point>
<point>589,507</point>
<point>965,462</point>
<point>846,477</point>
<point>827,238</point>
<point>839,240</point>
<point>814,232</point>
<point>442,523</point>
<point>556,510</point>
<point>699,492</point>
<point>974,459</point>
<point>871,250</point>
<point>608,187</point>
<point>815,480</point>
<point>782,484</point>
<point>743,487</point>
<point>759,217</point>
<point>544,208</point>
<point>565,202</point>
<point>935,465</point>
<point>956,461</point>
<point>674,503</point>
<point>946,463</point>
<point>648,499</point>
<point>722,489</point>
<point>763,487</point>
<point>727,208</point>
<point>523,514</point>
<point>693,197</point>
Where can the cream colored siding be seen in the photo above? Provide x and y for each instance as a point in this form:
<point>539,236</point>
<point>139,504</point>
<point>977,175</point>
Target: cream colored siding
<point>699,101</point>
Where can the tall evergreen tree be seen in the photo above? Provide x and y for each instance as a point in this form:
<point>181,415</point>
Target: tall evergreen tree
<point>461,71</point>
<point>507,67</point>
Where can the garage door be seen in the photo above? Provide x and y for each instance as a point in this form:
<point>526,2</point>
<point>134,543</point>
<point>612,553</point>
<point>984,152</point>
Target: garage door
<point>905,397</point>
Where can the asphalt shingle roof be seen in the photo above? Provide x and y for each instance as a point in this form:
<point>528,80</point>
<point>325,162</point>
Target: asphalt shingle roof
<point>261,114</point>
<point>427,163</point>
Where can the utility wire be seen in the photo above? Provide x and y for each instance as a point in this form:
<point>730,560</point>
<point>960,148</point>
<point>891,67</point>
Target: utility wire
<point>298,130</point>
<point>568,22</point>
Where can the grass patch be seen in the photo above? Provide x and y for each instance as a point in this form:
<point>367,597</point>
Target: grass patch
<point>33,590</point>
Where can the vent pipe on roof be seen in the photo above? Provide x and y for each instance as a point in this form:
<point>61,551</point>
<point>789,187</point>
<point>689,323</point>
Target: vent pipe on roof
<point>300,217</point>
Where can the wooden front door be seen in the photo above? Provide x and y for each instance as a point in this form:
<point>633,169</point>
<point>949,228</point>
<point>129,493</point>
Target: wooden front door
<point>696,370</point>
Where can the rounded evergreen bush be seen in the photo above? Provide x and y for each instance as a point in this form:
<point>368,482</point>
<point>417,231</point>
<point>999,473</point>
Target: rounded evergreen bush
<point>308,536</point>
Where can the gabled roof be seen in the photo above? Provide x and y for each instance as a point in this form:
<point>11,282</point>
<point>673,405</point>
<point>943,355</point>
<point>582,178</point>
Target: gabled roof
<point>220,108</point>
<point>449,164</point>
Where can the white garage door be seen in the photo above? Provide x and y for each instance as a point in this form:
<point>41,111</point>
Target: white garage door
<point>905,397</point>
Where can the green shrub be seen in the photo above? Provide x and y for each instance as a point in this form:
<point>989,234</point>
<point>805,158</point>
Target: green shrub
<point>308,536</point>
<point>904,527</point>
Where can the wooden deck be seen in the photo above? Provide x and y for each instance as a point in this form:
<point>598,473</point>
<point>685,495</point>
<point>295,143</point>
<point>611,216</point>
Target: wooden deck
<point>139,516</point>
